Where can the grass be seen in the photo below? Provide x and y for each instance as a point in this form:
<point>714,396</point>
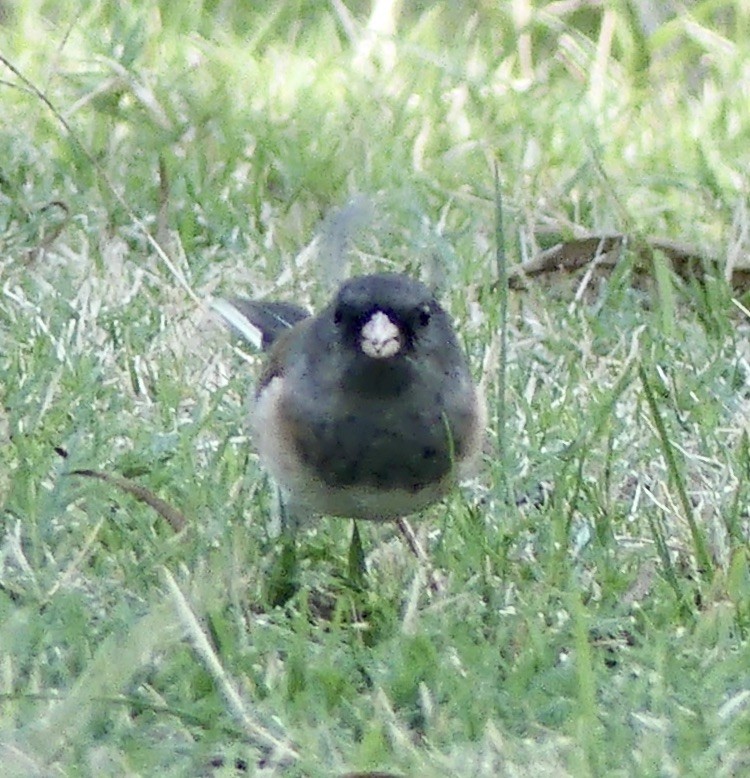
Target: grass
<point>595,610</point>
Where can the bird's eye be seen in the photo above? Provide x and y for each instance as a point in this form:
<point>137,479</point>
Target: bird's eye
<point>338,316</point>
<point>424,315</point>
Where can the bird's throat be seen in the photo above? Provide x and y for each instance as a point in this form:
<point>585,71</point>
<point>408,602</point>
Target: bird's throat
<point>379,377</point>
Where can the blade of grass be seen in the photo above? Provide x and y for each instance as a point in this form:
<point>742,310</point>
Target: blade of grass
<point>588,725</point>
<point>703,558</point>
<point>502,286</point>
<point>357,567</point>
<point>669,572</point>
<point>665,293</point>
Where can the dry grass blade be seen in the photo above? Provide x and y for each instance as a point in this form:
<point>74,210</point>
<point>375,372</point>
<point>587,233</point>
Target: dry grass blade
<point>55,229</point>
<point>175,518</point>
<point>282,750</point>
<point>371,775</point>
<point>415,546</point>
<point>687,261</point>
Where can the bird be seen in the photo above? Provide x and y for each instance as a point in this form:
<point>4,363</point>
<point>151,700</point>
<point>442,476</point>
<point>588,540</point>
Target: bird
<point>367,409</point>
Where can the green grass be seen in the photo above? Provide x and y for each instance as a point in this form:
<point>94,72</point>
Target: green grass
<point>595,607</point>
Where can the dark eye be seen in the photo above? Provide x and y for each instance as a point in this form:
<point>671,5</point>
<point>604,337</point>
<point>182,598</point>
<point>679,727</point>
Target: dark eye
<point>424,315</point>
<point>338,316</point>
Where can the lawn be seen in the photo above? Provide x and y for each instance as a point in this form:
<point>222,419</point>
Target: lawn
<point>587,607</point>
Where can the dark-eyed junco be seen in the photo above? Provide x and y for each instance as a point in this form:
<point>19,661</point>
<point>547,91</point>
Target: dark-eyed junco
<point>366,410</point>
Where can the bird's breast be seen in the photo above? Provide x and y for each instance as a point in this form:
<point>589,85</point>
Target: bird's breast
<point>371,441</point>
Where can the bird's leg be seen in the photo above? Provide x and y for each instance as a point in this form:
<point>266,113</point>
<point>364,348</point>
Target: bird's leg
<point>408,534</point>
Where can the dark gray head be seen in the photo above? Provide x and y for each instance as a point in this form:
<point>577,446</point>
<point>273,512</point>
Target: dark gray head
<point>386,316</point>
